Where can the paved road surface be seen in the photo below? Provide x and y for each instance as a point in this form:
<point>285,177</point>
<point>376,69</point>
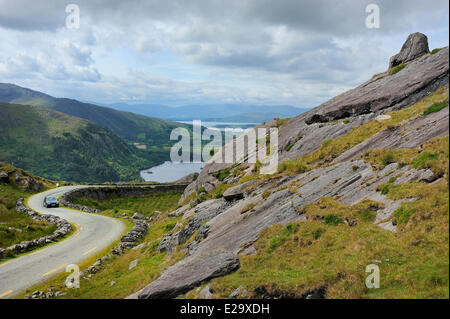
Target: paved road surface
<point>93,233</point>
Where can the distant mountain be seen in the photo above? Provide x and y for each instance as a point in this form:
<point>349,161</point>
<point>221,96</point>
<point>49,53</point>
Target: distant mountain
<point>153,132</point>
<point>216,112</point>
<point>62,147</point>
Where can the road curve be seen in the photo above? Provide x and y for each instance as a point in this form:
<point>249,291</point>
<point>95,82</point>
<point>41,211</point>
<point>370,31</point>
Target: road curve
<point>93,233</point>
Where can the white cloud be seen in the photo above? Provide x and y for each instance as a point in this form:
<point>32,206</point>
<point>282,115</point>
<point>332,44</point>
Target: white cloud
<point>181,52</point>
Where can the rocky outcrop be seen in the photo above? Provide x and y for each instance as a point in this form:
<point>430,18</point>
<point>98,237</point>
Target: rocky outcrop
<point>63,228</point>
<point>22,179</point>
<point>190,273</point>
<point>4,178</point>
<point>386,91</point>
<point>187,179</point>
<point>410,135</point>
<point>179,211</point>
<point>415,46</point>
<point>381,94</point>
<point>348,180</point>
<point>199,214</point>
<point>237,192</point>
<point>28,183</point>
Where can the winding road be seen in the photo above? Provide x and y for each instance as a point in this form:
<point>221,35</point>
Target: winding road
<point>93,233</point>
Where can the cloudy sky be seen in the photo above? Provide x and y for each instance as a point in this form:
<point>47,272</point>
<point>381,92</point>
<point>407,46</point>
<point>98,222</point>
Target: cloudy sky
<point>177,52</point>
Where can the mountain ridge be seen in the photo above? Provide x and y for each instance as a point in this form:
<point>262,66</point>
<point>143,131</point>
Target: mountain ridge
<point>62,147</point>
<point>213,112</point>
<point>153,132</point>
<point>335,196</point>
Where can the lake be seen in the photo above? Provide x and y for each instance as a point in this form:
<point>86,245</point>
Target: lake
<point>222,125</point>
<point>171,172</point>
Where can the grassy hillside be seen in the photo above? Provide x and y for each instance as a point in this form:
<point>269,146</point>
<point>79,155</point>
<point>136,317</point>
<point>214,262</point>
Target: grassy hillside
<point>16,227</point>
<point>324,253</point>
<point>61,147</point>
<point>151,263</point>
<point>294,260</point>
<point>146,205</point>
<point>150,131</point>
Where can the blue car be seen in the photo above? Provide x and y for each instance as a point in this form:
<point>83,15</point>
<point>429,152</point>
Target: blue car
<point>50,202</point>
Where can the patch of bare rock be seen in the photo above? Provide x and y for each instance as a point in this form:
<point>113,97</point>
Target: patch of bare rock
<point>227,228</point>
<point>189,273</point>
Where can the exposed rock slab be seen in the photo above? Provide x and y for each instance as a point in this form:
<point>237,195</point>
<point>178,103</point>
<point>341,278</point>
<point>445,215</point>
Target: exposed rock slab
<point>373,98</point>
<point>190,273</point>
<point>411,135</point>
<point>202,212</point>
<point>237,192</point>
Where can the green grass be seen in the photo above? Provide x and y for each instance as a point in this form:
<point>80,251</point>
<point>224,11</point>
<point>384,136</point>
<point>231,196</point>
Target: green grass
<point>279,240</point>
<point>436,107</point>
<point>423,158</point>
<point>433,154</point>
<point>332,148</point>
<point>9,217</point>
<point>434,51</point>
<point>16,227</point>
<point>384,189</point>
<point>146,205</point>
<point>288,148</point>
<point>222,174</point>
<point>280,122</point>
<point>397,69</point>
<point>318,232</point>
<point>324,252</point>
<point>201,190</point>
<point>387,159</point>
<point>169,227</point>
<point>414,262</point>
<point>327,142</point>
<point>61,147</point>
<point>366,215</point>
<point>150,264</point>
<point>403,214</point>
<point>331,219</point>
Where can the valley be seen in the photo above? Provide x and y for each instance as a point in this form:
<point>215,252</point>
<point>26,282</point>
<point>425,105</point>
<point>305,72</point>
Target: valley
<point>362,183</point>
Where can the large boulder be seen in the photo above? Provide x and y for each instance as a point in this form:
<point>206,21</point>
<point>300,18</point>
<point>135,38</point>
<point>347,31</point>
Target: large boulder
<point>415,46</point>
<point>190,273</point>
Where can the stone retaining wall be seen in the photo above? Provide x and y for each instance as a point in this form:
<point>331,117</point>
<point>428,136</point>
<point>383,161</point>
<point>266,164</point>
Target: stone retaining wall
<point>63,227</point>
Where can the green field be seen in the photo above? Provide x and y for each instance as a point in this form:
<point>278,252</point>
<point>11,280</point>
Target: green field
<point>16,227</point>
<point>146,205</point>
